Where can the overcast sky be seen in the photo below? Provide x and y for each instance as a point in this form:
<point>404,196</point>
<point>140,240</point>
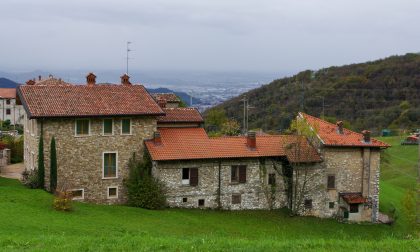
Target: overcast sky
<point>214,35</point>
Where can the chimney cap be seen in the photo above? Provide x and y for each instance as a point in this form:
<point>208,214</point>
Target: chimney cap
<point>125,79</point>
<point>340,129</point>
<point>30,82</point>
<point>91,79</point>
<point>251,140</point>
<point>366,136</point>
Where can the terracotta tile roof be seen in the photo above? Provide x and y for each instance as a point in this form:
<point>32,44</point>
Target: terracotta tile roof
<point>8,93</point>
<point>328,133</point>
<point>193,143</point>
<point>353,198</point>
<point>168,97</point>
<point>178,115</point>
<point>52,82</point>
<point>84,101</point>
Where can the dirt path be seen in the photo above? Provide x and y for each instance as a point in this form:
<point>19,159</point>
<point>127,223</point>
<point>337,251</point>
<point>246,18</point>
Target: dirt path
<point>12,171</point>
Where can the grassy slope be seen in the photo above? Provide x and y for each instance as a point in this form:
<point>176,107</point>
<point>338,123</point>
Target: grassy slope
<point>27,221</point>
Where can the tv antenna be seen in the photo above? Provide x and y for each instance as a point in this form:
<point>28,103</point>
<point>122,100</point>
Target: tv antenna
<point>127,58</point>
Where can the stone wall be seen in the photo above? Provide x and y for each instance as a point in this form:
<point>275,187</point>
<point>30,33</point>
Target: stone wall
<point>255,193</point>
<point>80,158</point>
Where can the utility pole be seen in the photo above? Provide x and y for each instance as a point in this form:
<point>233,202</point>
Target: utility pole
<point>303,96</point>
<point>127,58</point>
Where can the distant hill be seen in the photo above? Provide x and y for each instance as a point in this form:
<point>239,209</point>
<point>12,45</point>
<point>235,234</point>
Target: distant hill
<point>6,83</point>
<point>373,95</point>
<point>183,96</point>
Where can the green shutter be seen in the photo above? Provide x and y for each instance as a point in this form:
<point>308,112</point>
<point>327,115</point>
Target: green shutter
<point>107,126</point>
<point>126,127</point>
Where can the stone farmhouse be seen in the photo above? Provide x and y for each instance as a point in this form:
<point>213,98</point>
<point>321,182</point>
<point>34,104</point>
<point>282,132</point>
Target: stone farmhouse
<point>98,127</point>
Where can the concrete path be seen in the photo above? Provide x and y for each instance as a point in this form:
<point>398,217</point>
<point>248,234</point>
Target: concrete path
<point>13,171</point>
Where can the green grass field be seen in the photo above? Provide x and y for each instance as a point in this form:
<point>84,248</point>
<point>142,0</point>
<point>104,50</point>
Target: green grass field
<point>28,222</point>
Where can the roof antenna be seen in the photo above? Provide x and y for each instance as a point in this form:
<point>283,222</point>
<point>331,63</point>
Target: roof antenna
<point>127,58</point>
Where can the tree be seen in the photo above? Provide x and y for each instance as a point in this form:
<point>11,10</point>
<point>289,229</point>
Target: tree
<point>41,165</point>
<point>302,174</point>
<point>143,189</point>
<point>53,166</point>
<point>215,118</point>
<point>231,127</point>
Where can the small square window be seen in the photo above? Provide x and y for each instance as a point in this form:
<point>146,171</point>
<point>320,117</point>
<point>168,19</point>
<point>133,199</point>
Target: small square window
<point>308,204</point>
<point>236,199</point>
<point>112,192</point>
<point>184,200</point>
<point>201,202</point>
<point>78,194</point>
<point>108,126</point>
<point>331,205</point>
<point>354,208</point>
<point>126,126</point>
<point>272,179</point>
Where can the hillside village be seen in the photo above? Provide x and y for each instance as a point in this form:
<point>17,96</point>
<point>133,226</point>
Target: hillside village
<point>331,173</point>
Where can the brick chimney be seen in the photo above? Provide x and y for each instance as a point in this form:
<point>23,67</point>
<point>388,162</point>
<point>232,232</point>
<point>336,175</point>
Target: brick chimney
<point>162,103</point>
<point>157,139</point>
<point>366,136</point>
<point>251,140</point>
<point>125,79</point>
<point>340,127</point>
<point>30,82</point>
<point>91,79</point>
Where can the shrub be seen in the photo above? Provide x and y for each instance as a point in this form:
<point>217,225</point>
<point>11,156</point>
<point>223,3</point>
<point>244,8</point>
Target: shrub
<point>63,200</point>
<point>30,178</point>
<point>143,189</point>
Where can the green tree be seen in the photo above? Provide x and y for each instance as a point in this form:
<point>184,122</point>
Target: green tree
<point>231,127</point>
<point>215,118</point>
<point>41,165</point>
<point>143,189</point>
<point>53,166</point>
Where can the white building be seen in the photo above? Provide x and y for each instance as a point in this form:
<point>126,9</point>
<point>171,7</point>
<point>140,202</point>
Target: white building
<point>8,108</point>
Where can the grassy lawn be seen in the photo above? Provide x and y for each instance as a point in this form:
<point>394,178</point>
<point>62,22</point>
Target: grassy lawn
<point>28,222</point>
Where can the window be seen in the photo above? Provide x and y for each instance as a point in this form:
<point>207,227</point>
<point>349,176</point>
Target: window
<point>308,204</point>
<point>8,111</point>
<point>110,165</point>
<point>238,174</point>
<point>184,200</point>
<point>78,194</point>
<point>201,202</point>
<point>354,208</point>
<point>8,101</point>
<point>272,179</point>
<point>331,204</point>
<point>236,199</point>
<point>125,126</point>
<point>82,127</point>
<point>112,192</point>
<point>331,182</point>
<point>108,126</point>
<point>190,176</point>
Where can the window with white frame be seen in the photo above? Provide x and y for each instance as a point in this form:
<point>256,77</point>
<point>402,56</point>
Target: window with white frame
<point>112,192</point>
<point>78,194</point>
<point>110,165</point>
<point>108,126</point>
<point>82,127</point>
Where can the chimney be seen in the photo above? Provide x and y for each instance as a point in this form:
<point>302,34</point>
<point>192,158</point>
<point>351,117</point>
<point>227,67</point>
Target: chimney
<point>125,79</point>
<point>30,82</point>
<point>157,139</point>
<point>39,77</point>
<point>91,79</point>
<point>162,103</point>
<point>366,136</point>
<point>251,140</point>
<point>340,127</point>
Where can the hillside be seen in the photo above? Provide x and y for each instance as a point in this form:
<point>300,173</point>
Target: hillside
<point>6,83</point>
<point>373,95</point>
<point>182,95</point>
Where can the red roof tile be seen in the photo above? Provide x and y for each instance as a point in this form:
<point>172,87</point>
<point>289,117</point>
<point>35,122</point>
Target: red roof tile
<point>8,93</point>
<point>329,135</point>
<point>353,198</point>
<point>168,97</point>
<point>83,101</point>
<point>178,115</point>
<point>193,143</point>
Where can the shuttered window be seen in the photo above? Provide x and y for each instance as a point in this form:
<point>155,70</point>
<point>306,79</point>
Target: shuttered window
<point>107,126</point>
<point>193,176</point>
<point>82,127</point>
<point>308,204</point>
<point>331,182</point>
<point>126,126</point>
<point>238,174</point>
<point>110,165</point>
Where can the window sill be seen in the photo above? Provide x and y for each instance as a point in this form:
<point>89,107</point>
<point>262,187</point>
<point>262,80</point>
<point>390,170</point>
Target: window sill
<point>81,136</point>
<point>126,134</point>
<point>113,197</point>
<point>109,177</point>
<point>107,135</point>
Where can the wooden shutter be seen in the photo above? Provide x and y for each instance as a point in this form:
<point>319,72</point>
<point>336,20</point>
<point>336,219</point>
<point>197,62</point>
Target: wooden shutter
<point>193,176</point>
<point>331,182</point>
<point>242,174</point>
